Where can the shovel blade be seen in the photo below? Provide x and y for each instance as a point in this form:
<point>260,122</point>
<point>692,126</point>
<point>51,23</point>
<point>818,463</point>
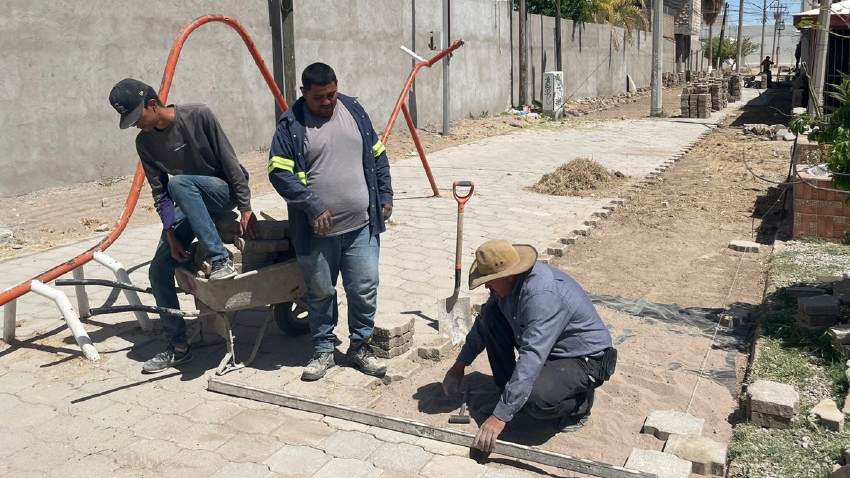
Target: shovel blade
<point>455,318</point>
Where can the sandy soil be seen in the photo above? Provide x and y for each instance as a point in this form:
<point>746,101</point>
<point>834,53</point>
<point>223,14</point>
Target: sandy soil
<point>52,217</point>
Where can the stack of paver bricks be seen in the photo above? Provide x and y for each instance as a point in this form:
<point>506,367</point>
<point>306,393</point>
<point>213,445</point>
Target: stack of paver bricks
<point>735,84</point>
<point>817,312</point>
<point>718,94</point>
<point>763,81</point>
<point>772,404</point>
<point>393,336</point>
<point>696,101</point>
<point>269,247</point>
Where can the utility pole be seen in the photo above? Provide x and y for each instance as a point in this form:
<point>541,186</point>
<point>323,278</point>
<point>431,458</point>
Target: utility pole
<point>763,24</point>
<point>779,29</point>
<point>558,35</point>
<point>722,32</point>
<point>447,39</point>
<point>523,60</point>
<point>819,74</point>
<point>657,52</point>
<point>740,37</point>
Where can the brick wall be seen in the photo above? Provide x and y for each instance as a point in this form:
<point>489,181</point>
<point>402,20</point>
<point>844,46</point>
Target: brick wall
<point>819,213</point>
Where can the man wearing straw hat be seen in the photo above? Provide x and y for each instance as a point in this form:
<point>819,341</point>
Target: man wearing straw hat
<point>565,350</point>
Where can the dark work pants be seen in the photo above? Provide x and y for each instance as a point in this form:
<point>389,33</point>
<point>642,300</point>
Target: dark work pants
<point>563,387</point>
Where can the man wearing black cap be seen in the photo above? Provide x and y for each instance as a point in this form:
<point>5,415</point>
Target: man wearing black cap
<point>194,175</point>
<point>564,349</point>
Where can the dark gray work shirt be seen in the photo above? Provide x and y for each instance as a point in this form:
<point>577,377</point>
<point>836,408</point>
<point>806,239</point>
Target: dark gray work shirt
<point>334,149</point>
<point>194,144</point>
<point>552,318</point>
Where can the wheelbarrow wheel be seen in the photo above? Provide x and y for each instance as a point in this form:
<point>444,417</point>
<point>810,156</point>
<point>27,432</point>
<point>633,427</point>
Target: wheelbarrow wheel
<point>291,318</point>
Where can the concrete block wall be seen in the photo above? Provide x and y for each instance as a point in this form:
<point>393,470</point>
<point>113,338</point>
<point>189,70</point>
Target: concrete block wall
<point>60,60</point>
<point>819,213</point>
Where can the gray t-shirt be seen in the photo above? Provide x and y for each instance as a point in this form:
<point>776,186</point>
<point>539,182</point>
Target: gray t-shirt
<point>334,149</point>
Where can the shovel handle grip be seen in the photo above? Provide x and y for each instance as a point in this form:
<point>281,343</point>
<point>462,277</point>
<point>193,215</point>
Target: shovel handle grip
<point>461,199</point>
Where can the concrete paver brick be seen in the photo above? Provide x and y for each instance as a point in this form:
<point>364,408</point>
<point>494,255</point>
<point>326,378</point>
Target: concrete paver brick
<point>350,468</point>
<point>771,421</point>
<point>26,416</point>
<point>297,460</point>
<point>26,460</point>
<point>400,457</point>
<point>15,381</point>
<point>400,369</point>
<point>545,259</point>
<point>664,465</point>
<point>261,246</point>
<point>583,231</point>
<point>840,334</point>
<point>391,436</point>
<point>556,249</point>
<point>434,348</point>
<point>243,470</point>
<point>85,466</point>
<point>160,426</point>
<point>841,290</point>
<point>390,342</point>
<point>249,448</point>
<point>707,456</point>
<point>13,441</point>
<point>663,423</point>
<point>818,305</point>
<point>103,440</point>
<point>45,392</point>
<point>256,421</point>
<point>120,414</point>
<point>303,432</point>
<point>350,444</point>
<point>351,377</point>
<point>506,473</point>
<point>345,425</point>
<point>392,326</point>
<point>392,352</point>
<point>203,436</point>
<point>451,466</point>
<point>828,414</point>
<point>772,398</point>
<point>744,246</point>
<point>144,453</point>
<point>190,463</point>
<point>815,323</point>
<point>213,412</point>
<point>441,448</point>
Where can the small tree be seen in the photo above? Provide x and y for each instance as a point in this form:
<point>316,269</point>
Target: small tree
<point>628,14</point>
<point>581,11</point>
<point>729,50</point>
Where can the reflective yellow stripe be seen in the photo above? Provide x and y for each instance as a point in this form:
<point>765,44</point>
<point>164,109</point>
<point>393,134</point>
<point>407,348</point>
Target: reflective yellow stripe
<point>276,162</point>
<point>301,176</point>
<point>378,148</point>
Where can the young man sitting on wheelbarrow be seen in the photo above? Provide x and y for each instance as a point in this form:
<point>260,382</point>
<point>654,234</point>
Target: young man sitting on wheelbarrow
<point>327,162</point>
<point>565,350</point>
<point>194,175</point>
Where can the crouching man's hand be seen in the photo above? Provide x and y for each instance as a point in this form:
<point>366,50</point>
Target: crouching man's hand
<point>486,437</point>
<point>451,382</point>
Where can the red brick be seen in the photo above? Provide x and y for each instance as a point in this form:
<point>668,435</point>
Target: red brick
<point>807,191</point>
<point>810,227</point>
<point>828,226</point>
<point>821,232</point>
<point>831,208</point>
<point>830,196</point>
<point>798,191</point>
<point>799,207</point>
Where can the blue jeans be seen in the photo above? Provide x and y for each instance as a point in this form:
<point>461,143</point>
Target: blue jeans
<point>355,255</point>
<point>198,198</point>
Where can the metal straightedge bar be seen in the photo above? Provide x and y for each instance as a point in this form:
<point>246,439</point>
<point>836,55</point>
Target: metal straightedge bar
<point>131,295</point>
<point>411,427</point>
<point>71,317</point>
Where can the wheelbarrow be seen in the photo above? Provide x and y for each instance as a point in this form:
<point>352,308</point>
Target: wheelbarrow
<point>280,285</point>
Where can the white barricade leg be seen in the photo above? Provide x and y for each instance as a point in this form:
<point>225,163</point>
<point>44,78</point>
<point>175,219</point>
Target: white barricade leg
<point>71,318</point>
<point>82,295</point>
<point>131,295</point>
<point>10,321</point>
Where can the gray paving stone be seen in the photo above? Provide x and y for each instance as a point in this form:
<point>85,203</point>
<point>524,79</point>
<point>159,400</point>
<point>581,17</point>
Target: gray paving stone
<point>400,457</point>
<point>557,249</point>
<point>45,392</point>
<point>707,456</point>
<point>349,468</point>
<point>202,436</point>
<point>441,448</point>
<point>448,466</point>
<point>25,459</point>
<point>393,326</point>
<point>663,423</point>
<point>297,460</point>
<point>243,470</point>
<point>303,432</point>
<point>805,291</point>
<point>345,425</point>
<point>256,421</point>
<point>772,398</point>
<point>399,369</point>
<point>506,473</point>
<point>213,412</point>
<point>26,416</point>
<point>103,440</point>
<point>828,414</point>
<point>818,305</point>
<point>390,342</point>
<point>392,352</point>
<point>391,436</point>
<point>434,348</point>
<point>14,381</point>
<point>249,448</point>
<point>664,465</point>
<point>13,441</point>
<point>190,463</point>
<point>85,466</point>
<point>120,414</point>
<point>350,444</point>
<point>160,426</point>
<point>144,453</point>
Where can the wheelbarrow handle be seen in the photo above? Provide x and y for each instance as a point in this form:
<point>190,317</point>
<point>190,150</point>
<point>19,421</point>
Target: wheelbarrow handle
<point>461,199</point>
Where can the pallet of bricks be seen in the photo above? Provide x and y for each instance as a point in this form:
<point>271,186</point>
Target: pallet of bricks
<point>719,99</point>
<point>696,101</point>
<point>735,83</point>
<point>271,245</point>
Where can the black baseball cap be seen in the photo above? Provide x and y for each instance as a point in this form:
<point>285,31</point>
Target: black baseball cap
<point>129,97</point>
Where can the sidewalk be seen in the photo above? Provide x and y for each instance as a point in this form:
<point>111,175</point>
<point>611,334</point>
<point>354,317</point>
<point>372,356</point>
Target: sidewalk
<point>106,419</point>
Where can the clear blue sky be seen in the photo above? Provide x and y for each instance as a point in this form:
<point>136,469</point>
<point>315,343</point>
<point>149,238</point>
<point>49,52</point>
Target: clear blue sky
<point>753,12</point>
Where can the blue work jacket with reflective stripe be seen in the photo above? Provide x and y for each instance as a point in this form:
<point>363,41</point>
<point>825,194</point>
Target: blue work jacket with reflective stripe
<point>288,172</point>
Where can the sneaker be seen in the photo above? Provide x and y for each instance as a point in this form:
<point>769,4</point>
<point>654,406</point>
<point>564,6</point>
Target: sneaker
<point>363,359</point>
<point>318,366</point>
<point>167,359</point>
<point>222,269</point>
<point>573,423</point>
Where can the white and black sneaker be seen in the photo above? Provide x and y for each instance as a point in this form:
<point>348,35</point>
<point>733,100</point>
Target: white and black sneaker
<point>167,359</point>
<point>318,366</point>
<point>363,358</point>
<point>222,269</point>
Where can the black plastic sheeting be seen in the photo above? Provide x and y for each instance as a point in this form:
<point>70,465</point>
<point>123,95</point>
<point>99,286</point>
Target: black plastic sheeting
<point>698,322</point>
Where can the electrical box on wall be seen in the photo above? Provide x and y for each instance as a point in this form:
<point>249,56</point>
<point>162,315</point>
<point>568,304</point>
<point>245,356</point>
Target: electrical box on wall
<point>553,90</point>
<point>435,41</point>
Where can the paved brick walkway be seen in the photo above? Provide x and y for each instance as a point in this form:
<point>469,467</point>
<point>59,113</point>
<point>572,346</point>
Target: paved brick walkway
<point>61,415</point>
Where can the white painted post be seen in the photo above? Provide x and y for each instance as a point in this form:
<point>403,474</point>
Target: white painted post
<point>82,295</point>
<point>71,318</point>
<point>9,321</point>
<point>131,295</point>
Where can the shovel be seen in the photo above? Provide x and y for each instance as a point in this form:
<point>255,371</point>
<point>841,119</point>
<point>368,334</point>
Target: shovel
<point>455,318</point>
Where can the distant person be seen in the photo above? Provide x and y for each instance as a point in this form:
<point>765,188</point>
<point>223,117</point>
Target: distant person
<point>765,69</point>
<point>329,165</point>
<point>547,346</point>
<point>797,53</point>
<point>194,175</point>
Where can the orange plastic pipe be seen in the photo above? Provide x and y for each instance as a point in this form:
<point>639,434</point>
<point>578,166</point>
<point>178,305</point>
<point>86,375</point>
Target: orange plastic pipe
<point>13,293</point>
<point>419,149</point>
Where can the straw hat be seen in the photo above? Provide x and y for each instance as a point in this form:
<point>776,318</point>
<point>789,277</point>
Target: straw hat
<point>499,258</point>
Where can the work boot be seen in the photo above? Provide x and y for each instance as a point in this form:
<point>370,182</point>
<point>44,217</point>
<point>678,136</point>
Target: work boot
<point>318,366</point>
<point>574,423</point>
<point>363,358</point>
<point>167,359</point>
<point>222,269</point>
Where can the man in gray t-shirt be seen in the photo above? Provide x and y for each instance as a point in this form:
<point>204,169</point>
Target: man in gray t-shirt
<point>194,174</point>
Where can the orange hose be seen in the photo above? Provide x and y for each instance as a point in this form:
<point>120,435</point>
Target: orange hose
<point>139,178</point>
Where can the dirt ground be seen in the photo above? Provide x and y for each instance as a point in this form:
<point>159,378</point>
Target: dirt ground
<point>676,254</point>
<point>52,217</point>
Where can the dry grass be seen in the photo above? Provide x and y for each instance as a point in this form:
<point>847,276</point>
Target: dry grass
<point>578,177</point>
